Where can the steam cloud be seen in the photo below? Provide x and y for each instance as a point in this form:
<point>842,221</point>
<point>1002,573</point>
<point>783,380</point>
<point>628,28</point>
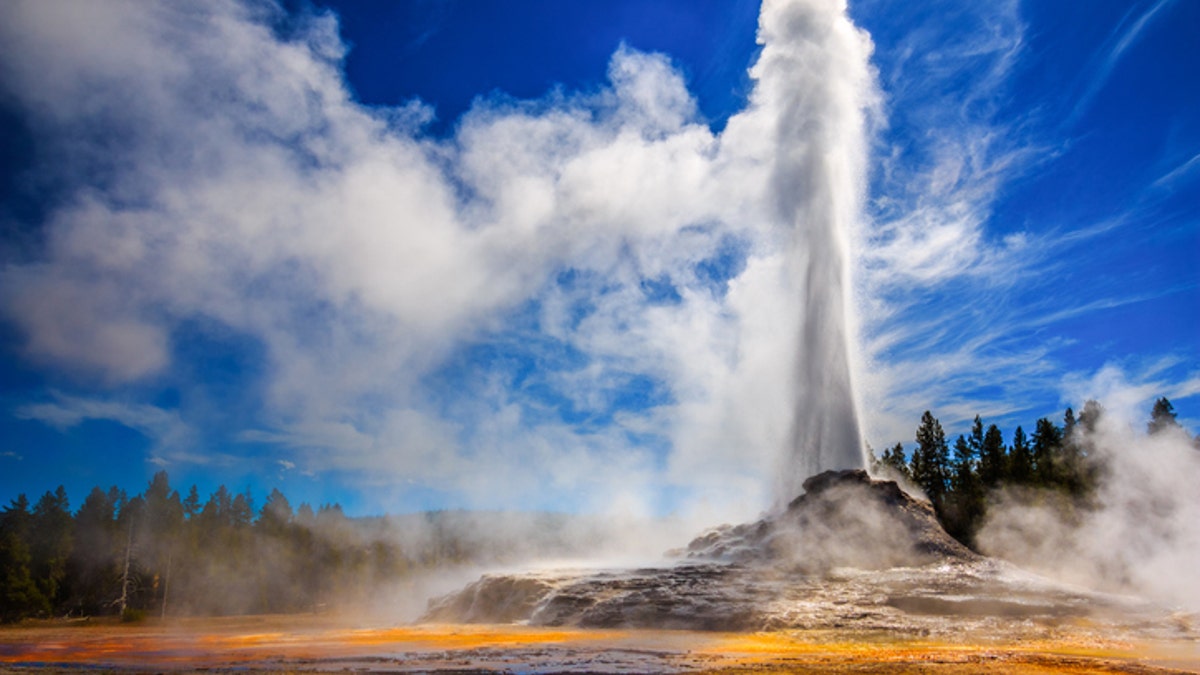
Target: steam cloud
<point>1142,536</point>
<point>214,180</point>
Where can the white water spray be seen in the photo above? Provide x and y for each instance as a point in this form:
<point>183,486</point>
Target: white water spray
<point>814,83</point>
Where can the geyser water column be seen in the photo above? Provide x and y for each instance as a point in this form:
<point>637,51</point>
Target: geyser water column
<point>813,86</point>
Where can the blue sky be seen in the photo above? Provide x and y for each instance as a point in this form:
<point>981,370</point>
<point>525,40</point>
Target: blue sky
<point>516,255</point>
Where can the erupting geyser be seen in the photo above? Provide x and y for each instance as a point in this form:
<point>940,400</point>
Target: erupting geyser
<point>813,83</point>
<point>850,553</point>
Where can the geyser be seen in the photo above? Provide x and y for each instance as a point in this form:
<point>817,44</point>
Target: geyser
<point>813,83</point>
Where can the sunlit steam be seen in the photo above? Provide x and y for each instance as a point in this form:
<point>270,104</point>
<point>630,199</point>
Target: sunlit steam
<point>1140,534</point>
<point>254,206</point>
<point>814,82</point>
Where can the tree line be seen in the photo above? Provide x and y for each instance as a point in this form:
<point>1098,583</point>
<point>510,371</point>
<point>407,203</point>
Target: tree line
<point>1054,460</point>
<point>161,553</point>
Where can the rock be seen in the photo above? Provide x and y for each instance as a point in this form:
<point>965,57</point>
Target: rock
<point>843,519</point>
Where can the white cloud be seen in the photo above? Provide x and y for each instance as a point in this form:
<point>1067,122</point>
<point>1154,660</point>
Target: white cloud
<point>164,427</point>
<point>1115,47</point>
<point>1181,172</point>
<point>216,171</point>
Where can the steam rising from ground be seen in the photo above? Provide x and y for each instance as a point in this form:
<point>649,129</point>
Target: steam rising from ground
<point>217,185</point>
<point>1142,537</point>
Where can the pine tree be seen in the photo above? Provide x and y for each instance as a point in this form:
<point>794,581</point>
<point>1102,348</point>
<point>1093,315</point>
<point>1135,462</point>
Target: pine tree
<point>893,459</point>
<point>191,504</point>
<point>930,460</point>
<point>1047,454</point>
<point>1020,465</point>
<point>161,534</point>
<point>1162,417</point>
<point>94,566</point>
<point>20,596</point>
<point>276,513</point>
<point>1073,467</point>
<point>963,467</point>
<point>50,542</point>
<point>1089,416</point>
<point>992,460</point>
<point>964,503</point>
<point>975,440</point>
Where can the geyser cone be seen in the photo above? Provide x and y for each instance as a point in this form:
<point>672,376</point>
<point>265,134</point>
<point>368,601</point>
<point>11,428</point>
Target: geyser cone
<point>851,553</point>
<point>813,84</point>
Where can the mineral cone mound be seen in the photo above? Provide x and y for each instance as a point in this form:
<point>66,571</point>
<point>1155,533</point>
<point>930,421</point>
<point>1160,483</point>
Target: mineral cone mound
<point>843,519</point>
<point>851,553</point>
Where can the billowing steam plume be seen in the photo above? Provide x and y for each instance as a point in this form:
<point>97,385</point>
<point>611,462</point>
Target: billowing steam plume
<point>254,206</point>
<point>814,79</point>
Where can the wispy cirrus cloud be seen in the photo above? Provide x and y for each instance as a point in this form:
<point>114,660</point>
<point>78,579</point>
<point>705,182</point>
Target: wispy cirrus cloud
<point>1181,172</point>
<point>165,428</point>
<point>1127,33</point>
<point>961,310</point>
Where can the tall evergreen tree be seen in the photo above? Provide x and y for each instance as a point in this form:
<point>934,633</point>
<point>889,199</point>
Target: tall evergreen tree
<point>161,535</point>
<point>20,595</point>
<point>94,563</point>
<point>1162,417</point>
<point>930,465</point>
<point>1089,416</point>
<point>963,466</point>
<point>993,464</point>
<point>975,440</point>
<point>50,541</point>
<point>964,503</point>
<point>1048,454</point>
<point>241,510</point>
<point>191,504</point>
<point>894,460</point>
<point>276,513</point>
<point>1020,461</point>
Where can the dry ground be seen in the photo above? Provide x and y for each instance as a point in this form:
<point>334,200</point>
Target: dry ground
<point>333,643</point>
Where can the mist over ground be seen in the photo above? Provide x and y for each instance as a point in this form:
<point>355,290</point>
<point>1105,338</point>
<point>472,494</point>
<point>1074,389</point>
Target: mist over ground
<point>1141,532</point>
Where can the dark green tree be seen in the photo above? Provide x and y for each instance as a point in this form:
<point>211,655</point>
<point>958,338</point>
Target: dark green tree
<point>50,542</point>
<point>191,504</point>
<point>893,459</point>
<point>1020,459</point>
<point>241,510</point>
<point>161,536</point>
<point>20,596</point>
<point>1162,417</point>
<point>975,440</point>
<point>964,503</point>
<point>1048,454</point>
<point>930,465</point>
<point>1089,416</point>
<point>94,564</point>
<point>1075,471</point>
<point>276,514</point>
<point>993,462</point>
